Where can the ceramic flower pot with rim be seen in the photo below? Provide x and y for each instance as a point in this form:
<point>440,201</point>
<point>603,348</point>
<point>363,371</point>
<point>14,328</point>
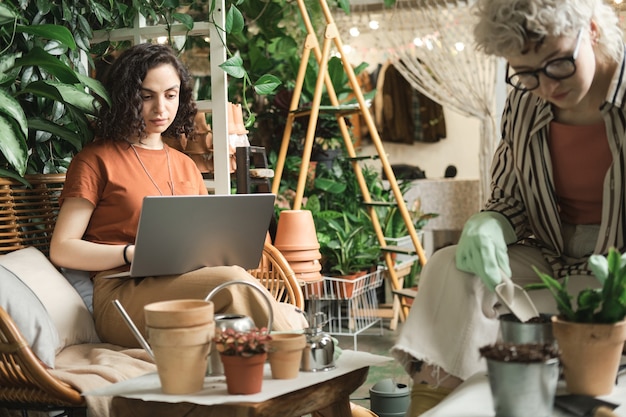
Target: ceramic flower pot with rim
<point>178,313</point>
<point>311,278</point>
<point>296,231</point>
<point>590,354</point>
<point>244,374</point>
<point>344,289</point>
<point>285,354</point>
<point>181,356</point>
<point>313,285</point>
<point>301,255</point>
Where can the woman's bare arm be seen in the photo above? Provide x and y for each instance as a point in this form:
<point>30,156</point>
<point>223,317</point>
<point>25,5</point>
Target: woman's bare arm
<point>69,250</point>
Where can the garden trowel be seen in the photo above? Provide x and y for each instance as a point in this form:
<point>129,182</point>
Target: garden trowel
<point>516,299</point>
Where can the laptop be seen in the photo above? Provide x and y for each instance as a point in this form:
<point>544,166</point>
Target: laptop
<point>179,234</point>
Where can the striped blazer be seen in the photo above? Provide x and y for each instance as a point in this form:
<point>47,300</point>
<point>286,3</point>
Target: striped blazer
<point>522,186</point>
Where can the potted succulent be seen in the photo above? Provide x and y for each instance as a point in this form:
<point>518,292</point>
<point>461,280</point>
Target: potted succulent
<point>591,334</point>
<point>243,355</point>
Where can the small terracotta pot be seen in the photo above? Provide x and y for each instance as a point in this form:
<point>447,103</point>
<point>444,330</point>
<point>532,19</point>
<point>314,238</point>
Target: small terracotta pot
<point>178,313</point>
<point>181,356</point>
<point>296,231</point>
<point>344,289</point>
<point>244,374</point>
<point>309,277</point>
<point>590,354</point>
<point>301,255</point>
<point>306,266</point>
<point>286,354</point>
<point>183,336</point>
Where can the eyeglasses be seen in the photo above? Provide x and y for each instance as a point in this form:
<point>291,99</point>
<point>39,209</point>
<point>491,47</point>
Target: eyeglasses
<point>557,69</point>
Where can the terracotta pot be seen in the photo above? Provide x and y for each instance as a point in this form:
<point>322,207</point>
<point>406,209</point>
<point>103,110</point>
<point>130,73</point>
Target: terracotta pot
<point>301,255</point>
<point>286,354</point>
<point>345,289</point>
<point>306,266</point>
<point>296,231</point>
<point>181,356</point>
<point>244,374</point>
<point>178,313</point>
<point>590,354</point>
<point>313,283</point>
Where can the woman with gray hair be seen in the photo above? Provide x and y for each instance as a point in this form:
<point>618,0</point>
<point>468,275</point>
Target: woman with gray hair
<point>557,190</point>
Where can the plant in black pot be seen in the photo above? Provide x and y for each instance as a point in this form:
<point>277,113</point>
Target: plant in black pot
<point>591,334</point>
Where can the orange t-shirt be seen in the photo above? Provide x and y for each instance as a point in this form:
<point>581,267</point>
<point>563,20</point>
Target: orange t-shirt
<point>580,160</point>
<point>111,176</point>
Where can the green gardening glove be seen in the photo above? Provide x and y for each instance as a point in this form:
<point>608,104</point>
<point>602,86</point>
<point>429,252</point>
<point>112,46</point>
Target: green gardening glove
<point>482,248</point>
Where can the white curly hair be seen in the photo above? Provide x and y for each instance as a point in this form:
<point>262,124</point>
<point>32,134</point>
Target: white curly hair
<point>504,27</point>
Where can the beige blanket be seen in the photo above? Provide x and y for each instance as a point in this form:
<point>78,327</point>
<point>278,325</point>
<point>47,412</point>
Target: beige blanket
<point>90,366</point>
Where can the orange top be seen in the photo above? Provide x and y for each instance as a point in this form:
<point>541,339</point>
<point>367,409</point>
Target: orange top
<point>580,160</point>
<point>112,178</point>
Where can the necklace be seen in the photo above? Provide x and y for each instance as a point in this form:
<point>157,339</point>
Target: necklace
<point>169,169</point>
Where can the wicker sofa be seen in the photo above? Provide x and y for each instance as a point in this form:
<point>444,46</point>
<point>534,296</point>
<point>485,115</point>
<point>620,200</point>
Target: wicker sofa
<point>27,217</point>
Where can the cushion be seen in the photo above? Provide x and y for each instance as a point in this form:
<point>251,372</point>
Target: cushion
<point>81,281</point>
<point>69,314</point>
<point>29,315</point>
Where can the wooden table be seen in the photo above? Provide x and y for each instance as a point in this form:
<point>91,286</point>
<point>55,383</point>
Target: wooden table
<point>330,398</point>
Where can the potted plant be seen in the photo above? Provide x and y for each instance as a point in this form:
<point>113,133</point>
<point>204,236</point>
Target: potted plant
<point>591,335</point>
<point>350,252</point>
<point>243,355</point>
<point>350,248</point>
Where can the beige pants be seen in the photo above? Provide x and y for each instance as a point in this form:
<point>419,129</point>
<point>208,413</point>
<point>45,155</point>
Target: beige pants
<point>135,293</point>
<point>454,313</point>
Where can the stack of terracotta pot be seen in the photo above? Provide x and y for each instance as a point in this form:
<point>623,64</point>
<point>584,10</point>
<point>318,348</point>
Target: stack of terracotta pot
<point>297,241</point>
<point>180,334</point>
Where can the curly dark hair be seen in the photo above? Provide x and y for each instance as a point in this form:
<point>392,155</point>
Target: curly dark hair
<point>123,119</point>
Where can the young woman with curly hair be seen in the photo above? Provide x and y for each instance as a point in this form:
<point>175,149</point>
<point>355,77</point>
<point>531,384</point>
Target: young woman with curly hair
<point>151,97</point>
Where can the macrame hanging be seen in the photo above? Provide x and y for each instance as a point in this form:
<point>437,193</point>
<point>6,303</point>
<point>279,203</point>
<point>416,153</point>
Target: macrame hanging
<point>430,42</point>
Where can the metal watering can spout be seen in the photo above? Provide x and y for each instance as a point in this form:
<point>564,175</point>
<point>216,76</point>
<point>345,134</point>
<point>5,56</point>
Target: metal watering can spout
<point>133,328</point>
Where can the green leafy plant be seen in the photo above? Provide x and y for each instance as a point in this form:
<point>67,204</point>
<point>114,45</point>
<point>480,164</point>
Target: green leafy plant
<point>602,305</point>
<point>231,342</point>
<point>393,224</point>
<point>350,249</point>
<point>45,103</point>
<point>344,228</point>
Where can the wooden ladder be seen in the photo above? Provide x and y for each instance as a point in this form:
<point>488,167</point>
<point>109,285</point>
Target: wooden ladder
<point>331,35</point>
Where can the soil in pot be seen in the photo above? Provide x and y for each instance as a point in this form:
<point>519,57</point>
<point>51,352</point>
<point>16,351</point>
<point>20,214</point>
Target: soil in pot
<point>522,378</point>
<point>522,353</point>
<point>536,330</point>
